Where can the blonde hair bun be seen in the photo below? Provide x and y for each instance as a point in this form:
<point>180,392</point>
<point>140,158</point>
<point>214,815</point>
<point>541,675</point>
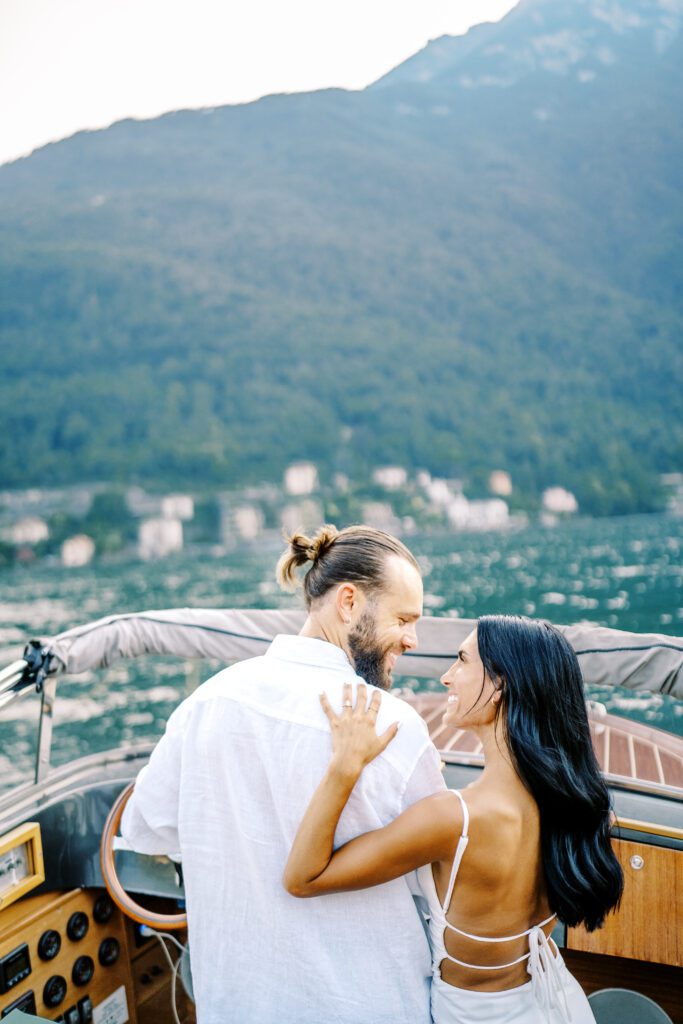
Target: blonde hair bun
<point>302,549</point>
<point>323,541</point>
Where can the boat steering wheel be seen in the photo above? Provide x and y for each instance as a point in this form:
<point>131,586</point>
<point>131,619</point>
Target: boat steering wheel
<point>125,902</point>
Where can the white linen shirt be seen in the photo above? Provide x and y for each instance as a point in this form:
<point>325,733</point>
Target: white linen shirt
<point>227,786</point>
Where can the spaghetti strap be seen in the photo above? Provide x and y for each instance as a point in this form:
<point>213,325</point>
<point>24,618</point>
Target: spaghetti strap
<point>503,938</point>
<point>459,851</point>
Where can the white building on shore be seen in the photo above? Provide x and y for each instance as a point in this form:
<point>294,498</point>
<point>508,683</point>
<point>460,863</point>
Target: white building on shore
<point>559,501</point>
<point>380,515</point>
<point>441,493</point>
<point>247,521</point>
<point>301,478</point>
<point>159,537</point>
<point>77,551</point>
<point>177,506</point>
<point>391,478</point>
<point>487,514</point>
<point>500,483</point>
<point>30,530</point>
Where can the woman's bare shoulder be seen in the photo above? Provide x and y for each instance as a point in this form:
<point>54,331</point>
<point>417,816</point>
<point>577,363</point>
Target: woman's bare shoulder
<point>441,813</point>
<point>504,837</point>
<point>446,808</point>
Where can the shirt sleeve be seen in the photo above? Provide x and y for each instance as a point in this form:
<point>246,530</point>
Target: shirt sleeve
<point>150,819</point>
<point>425,779</point>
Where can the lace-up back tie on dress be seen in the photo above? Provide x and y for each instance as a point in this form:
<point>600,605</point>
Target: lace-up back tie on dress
<point>552,996</point>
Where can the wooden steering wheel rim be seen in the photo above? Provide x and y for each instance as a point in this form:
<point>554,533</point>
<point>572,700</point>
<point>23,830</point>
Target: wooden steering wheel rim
<point>126,903</point>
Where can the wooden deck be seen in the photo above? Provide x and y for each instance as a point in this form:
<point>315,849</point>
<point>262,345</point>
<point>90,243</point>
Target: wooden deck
<point>625,748</point>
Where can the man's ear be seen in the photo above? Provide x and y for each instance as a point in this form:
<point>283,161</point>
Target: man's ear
<point>346,600</point>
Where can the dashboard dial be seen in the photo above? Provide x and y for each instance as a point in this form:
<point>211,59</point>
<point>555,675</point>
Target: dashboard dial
<point>55,990</point>
<point>108,952</point>
<point>103,908</point>
<point>77,926</point>
<point>83,970</point>
<point>49,944</point>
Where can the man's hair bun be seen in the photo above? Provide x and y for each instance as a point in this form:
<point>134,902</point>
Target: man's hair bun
<point>302,549</point>
<point>323,541</point>
<point>356,554</point>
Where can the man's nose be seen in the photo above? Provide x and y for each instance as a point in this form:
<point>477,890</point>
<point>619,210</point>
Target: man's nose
<point>410,637</point>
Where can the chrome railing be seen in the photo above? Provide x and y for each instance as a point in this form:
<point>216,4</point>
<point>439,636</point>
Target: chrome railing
<point>17,679</point>
<point>13,681</point>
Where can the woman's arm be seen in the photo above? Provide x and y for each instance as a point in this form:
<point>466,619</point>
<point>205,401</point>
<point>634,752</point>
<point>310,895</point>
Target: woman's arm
<point>426,832</point>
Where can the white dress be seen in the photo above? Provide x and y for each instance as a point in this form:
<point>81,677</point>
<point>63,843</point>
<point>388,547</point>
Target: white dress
<point>552,996</point>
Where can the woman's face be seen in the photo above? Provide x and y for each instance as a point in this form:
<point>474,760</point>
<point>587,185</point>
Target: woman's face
<point>472,697</point>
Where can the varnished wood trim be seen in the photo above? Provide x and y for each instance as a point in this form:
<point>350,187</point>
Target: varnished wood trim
<point>26,913</point>
<point>669,831</point>
<point>645,926</point>
<point>24,835</point>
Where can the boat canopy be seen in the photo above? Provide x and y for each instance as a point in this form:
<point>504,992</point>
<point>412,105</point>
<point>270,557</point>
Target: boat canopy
<point>608,657</point>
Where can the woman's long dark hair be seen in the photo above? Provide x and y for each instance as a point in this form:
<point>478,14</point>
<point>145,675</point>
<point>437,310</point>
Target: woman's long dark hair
<point>546,728</point>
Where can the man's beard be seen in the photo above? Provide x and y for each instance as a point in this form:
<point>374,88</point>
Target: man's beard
<point>368,656</point>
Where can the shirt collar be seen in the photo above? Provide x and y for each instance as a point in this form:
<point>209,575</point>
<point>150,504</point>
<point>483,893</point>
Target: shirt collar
<point>306,650</point>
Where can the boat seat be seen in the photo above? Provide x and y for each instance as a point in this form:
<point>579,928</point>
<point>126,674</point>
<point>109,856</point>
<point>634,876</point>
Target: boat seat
<point>622,1006</point>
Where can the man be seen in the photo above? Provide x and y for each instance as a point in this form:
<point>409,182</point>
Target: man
<point>229,781</point>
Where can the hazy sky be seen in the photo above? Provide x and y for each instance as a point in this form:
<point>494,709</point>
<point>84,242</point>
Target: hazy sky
<point>72,64</point>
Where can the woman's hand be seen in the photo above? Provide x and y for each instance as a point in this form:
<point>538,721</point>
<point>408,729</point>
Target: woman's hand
<point>354,738</point>
<point>354,744</point>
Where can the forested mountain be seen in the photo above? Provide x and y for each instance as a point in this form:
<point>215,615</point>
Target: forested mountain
<point>475,263</point>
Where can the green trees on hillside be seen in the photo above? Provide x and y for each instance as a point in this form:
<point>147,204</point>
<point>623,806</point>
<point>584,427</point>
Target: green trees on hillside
<point>200,300</point>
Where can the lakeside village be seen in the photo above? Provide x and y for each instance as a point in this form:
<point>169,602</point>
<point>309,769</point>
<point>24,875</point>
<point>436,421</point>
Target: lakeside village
<point>74,525</point>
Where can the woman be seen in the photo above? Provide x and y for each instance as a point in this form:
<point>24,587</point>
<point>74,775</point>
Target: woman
<point>525,845</point>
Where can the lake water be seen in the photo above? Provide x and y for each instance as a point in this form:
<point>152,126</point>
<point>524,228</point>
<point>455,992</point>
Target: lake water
<point>626,573</point>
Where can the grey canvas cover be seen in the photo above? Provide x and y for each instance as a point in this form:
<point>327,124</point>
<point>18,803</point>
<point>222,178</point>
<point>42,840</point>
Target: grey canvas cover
<point>638,661</point>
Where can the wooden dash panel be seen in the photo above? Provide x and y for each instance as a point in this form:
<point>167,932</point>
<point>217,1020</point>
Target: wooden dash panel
<point>646,925</point>
<point>27,920</point>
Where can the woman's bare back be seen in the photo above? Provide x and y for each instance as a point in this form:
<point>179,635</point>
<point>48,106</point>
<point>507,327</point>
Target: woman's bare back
<point>499,891</point>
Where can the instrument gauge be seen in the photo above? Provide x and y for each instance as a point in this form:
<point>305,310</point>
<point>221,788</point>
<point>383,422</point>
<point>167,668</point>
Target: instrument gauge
<point>77,926</point>
<point>83,970</point>
<point>49,944</point>
<point>103,908</point>
<point>54,991</point>
<point>108,952</point>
